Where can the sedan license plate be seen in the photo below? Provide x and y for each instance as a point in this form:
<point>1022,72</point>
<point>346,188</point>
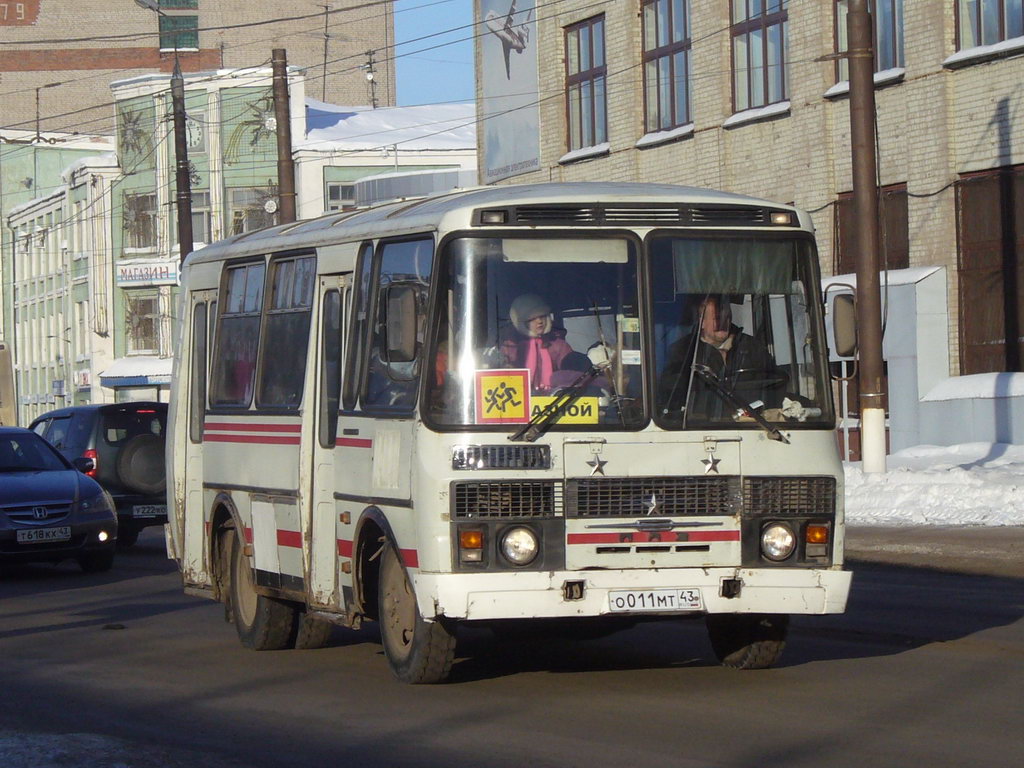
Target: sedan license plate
<point>43,535</point>
<point>655,600</point>
<point>149,510</point>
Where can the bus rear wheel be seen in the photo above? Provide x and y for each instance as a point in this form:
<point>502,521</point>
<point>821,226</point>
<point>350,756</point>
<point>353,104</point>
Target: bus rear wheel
<point>262,623</point>
<point>748,640</point>
<point>418,651</point>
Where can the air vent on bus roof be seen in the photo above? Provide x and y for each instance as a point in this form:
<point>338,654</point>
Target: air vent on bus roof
<point>641,215</point>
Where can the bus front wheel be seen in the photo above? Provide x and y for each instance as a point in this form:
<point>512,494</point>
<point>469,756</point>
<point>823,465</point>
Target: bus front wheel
<point>748,640</point>
<point>263,624</point>
<point>418,651</point>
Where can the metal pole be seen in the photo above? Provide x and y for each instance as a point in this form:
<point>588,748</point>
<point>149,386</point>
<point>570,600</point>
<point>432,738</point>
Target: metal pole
<point>282,113</point>
<point>865,205</point>
<point>183,178</point>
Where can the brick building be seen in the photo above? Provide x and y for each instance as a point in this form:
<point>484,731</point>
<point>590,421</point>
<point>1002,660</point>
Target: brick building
<point>748,96</point>
<point>63,55</point>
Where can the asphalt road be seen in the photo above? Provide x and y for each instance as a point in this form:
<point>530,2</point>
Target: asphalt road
<point>122,669</point>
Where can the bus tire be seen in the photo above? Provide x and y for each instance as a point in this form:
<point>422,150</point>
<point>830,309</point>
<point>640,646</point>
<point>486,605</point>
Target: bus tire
<point>311,633</point>
<point>748,640</point>
<point>262,623</point>
<point>418,651</point>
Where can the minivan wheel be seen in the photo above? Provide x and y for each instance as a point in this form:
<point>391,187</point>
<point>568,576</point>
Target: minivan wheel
<point>127,536</point>
<point>262,623</point>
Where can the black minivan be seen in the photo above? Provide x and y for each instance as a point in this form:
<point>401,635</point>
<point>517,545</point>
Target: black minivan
<point>126,443</point>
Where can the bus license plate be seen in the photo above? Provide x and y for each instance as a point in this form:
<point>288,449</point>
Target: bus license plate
<point>149,510</point>
<point>655,600</point>
<point>42,535</point>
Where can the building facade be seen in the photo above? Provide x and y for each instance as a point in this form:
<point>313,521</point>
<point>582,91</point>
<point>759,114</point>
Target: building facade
<point>750,96</point>
<point>57,58</point>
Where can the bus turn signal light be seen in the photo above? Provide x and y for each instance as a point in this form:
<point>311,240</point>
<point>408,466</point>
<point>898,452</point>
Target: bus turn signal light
<point>471,545</point>
<point>816,534</point>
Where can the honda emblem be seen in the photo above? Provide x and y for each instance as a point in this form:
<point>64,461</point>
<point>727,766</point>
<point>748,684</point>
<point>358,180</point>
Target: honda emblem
<point>39,513</point>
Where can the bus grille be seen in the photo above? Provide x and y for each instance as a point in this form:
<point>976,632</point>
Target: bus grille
<point>655,496</point>
<point>491,500</point>
<point>501,457</point>
<point>789,495</point>
<point>653,214</point>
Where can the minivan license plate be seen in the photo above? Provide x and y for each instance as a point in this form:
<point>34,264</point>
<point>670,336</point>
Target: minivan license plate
<point>149,510</point>
<point>655,600</point>
<point>42,535</point>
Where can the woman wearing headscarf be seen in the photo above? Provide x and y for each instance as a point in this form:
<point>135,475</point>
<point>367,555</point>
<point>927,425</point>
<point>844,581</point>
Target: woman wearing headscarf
<point>535,344</point>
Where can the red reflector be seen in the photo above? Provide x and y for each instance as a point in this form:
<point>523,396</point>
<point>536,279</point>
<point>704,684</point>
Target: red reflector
<point>91,454</point>
<point>146,411</point>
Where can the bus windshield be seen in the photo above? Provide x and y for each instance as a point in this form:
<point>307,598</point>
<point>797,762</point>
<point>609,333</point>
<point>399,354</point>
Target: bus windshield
<point>737,337</point>
<point>521,318</point>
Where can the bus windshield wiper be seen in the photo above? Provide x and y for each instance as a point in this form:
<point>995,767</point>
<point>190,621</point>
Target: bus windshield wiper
<point>565,397</point>
<point>708,376</point>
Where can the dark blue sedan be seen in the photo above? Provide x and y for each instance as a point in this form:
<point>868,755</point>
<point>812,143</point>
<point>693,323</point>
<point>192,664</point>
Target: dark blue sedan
<point>49,510</point>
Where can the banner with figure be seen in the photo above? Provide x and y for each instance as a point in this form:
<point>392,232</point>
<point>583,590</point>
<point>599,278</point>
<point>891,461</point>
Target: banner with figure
<point>509,111</point>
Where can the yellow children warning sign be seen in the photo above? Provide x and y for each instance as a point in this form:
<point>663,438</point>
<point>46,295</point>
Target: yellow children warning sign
<point>582,410</point>
<point>503,396</point>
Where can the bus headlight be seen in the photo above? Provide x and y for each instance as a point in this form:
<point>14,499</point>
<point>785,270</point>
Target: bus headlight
<point>519,545</point>
<point>777,541</point>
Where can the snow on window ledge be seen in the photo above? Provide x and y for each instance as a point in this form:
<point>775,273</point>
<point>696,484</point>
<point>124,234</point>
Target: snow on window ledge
<point>760,113</point>
<point>984,52</point>
<point>885,77</point>
<point>582,154</point>
<point>655,138</point>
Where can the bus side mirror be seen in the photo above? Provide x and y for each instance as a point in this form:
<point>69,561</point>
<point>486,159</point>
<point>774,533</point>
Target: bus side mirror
<point>401,323</point>
<point>844,325</point>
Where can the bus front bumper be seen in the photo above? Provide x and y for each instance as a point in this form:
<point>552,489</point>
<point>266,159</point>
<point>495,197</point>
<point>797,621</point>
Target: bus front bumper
<point>523,595</point>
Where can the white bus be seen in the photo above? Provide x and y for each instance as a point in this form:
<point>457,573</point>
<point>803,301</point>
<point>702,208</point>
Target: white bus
<point>553,403</point>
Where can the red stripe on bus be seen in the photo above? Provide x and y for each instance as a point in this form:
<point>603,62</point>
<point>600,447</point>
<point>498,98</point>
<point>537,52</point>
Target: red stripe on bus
<point>649,537</point>
<point>410,557</point>
<point>355,442</point>
<point>289,539</point>
<point>264,439</point>
<point>249,427</point>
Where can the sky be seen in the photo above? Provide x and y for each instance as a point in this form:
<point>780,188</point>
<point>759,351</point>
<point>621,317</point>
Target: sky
<point>445,72</point>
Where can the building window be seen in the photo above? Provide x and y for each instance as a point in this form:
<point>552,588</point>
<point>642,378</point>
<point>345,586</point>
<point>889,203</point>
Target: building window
<point>986,22</point>
<point>251,208</point>
<point>990,219</point>
<point>140,223</point>
<point>666,39</point>
<point>888,27</point>
<point>585,84</point>
<point>341,196</point>
<point>179,32</point>
<point>142,320</point>
<point>201,219</point>
<point>894,233</point>
<point>759,41</point>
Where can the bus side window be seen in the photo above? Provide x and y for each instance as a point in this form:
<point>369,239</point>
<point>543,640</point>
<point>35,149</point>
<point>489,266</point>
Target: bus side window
<point>391,379</point>
<point>286,333</point>
<point>330,369</point>
<point>238,335</point>
<point>358,329</point>
<point>197,402</point>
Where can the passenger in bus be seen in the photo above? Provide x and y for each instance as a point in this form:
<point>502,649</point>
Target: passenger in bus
<point>535,343</point>
<point>739,361</point>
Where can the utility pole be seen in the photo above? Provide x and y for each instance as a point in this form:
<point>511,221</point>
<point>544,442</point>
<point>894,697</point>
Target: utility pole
<point>327,40</point>
<point>183,177</point>
<point>371,78</point>
<point>282,114</point>
<point>865,207</point>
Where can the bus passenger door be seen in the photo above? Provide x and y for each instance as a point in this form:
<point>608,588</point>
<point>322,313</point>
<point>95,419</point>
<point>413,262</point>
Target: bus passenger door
<point>189,513</point>
<point>333,298</point>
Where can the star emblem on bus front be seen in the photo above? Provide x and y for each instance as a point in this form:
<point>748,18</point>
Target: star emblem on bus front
<point>652,505</point>
<point>598,466</point>
<point>710,464</point>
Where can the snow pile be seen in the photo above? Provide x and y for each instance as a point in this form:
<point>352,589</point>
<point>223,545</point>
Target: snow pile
<point>968,484</point>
